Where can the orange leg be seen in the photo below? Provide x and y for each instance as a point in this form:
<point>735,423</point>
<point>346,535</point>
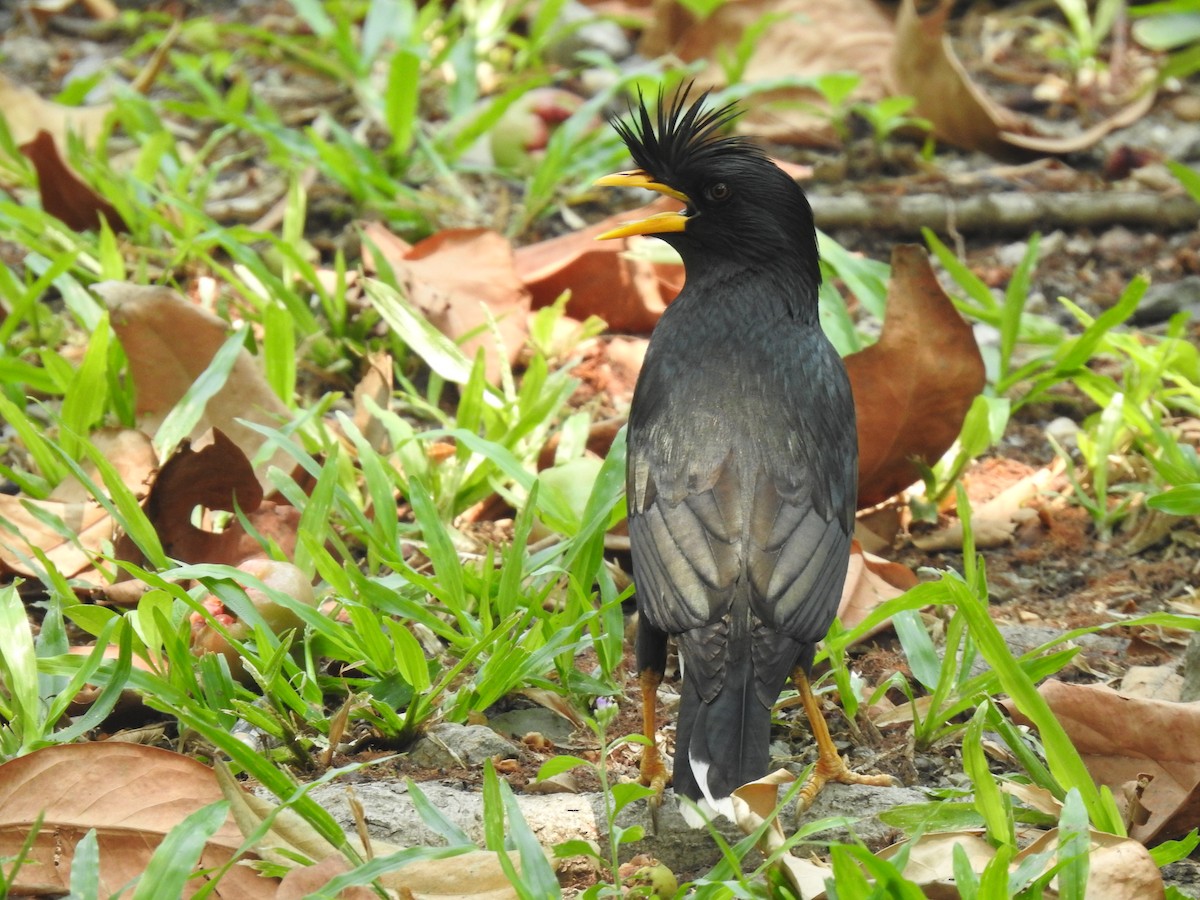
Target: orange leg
<point>654,773</point>
<point>830,765</point>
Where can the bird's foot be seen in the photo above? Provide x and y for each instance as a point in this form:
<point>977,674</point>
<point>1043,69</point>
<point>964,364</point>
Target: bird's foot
<point>834,768</point>
<point>655,776</point>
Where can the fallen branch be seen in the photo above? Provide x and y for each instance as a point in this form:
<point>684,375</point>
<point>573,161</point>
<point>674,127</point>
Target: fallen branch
<point>1005,212</point>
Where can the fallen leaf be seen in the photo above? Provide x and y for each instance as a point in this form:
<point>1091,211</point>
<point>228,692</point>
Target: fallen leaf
<point>24,522</point>
<point>925,66</point>
<point>931,857</point>
<point>805,38</point>
<point>912,387</point>
<point>1121,738</point>
<point>130,699</point>
<point>64,194</point>
<point>1152,683</point>
<point>169,342</point>
<point>213,473</point>
<point>1118,868</point>
<point>1034,797</point>
<point>871,581</point>
<point>758,802</point>
<point>459,278</point>
<point>43,10</point>
<point>993,522</point>
<point>629,294</point>
<point>376,384</point>
<point>131,795</point>
<point>305,881</point>
<point>27,114</point>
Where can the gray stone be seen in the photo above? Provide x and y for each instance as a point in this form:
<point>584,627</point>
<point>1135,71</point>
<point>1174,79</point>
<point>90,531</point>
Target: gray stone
<point>449,745</point>
<point>554,818</point>
<point>862,803</point>
<point>1161,301</point>
<point>517,723</point>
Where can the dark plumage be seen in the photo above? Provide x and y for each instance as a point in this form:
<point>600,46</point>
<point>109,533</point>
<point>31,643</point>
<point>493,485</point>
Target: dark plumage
<point>742,448</point>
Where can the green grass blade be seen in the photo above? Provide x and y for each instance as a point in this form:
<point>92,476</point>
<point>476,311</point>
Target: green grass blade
<point>188,411</point>
<point>18,665</point>
<point>172,865</point>
<point>1063,759</point>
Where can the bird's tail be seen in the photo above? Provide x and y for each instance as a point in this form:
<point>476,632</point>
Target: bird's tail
<point>723,741</point>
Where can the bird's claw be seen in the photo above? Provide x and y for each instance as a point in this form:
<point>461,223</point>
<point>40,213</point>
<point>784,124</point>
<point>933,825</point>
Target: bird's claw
<point>654,775</point>
<point>835,769</point>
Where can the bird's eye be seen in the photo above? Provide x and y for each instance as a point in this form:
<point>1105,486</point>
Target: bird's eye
<point>719,191</point>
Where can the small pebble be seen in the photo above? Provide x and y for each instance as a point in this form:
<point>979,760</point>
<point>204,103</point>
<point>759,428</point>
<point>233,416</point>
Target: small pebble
<point>1063,430</point>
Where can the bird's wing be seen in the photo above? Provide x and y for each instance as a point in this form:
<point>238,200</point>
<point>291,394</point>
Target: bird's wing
<point>797,545</point>
<point>686,536</point>
<point>690,546</point>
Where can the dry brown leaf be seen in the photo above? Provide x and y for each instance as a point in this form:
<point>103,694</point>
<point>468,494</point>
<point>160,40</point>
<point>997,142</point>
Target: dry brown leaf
<point>806,38</point>
<point>169,343</point>
<point>925,66</point>
<point>913,387</point>
<point>1118,868</point>
<point>452,277</point>
<point>755,803</point>
<point>214,473</point>
<point>1121,738</point>
<point>1152,683</point>
<point>131,795</point>
<point>130,699</point>
<point>44,10</point>
<point>376,384</point>
<point>304,881</point>
<point>625,358</point>
<point>1034,797</point>
<point>104,10</point>
<point>993,522</point>
<point>64,194</point>
<point>931,858</point>
<point>870,581</point>
<point>627,293</point>
<point>132,456</point>
<point>27,114</point>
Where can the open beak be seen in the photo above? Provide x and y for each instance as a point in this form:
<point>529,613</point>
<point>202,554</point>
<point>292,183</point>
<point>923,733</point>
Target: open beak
<point>656,224</point>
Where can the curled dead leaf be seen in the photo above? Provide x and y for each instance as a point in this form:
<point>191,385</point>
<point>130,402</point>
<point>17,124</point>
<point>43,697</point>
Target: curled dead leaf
<point>925,66</point>
<point>993,522</point>
<point>24,521</point>
<point>871,581</point>
<point>26,114</point>
<point>805,38</point>
<point>214,474</point>
<point>169,342</point>
<point>756,803</point>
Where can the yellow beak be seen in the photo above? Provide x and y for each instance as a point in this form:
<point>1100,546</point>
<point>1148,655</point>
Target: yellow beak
<point>656,224</point>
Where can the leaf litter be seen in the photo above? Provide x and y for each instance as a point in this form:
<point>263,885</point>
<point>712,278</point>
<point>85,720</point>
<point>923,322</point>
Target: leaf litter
<point>536,276</point>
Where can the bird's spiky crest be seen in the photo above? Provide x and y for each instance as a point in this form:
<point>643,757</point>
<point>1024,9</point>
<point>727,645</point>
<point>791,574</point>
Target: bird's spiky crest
<point>680,137</point>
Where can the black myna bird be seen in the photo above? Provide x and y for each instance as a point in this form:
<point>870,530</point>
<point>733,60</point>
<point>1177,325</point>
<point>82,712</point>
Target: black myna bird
<point>743,456</point>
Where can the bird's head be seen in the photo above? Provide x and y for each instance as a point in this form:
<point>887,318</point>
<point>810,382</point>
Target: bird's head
<point>740,207</point>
